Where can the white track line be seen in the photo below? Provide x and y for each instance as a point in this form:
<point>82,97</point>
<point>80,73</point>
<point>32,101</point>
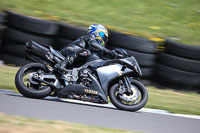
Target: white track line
<point>147,110</point>
<point>109,105</point>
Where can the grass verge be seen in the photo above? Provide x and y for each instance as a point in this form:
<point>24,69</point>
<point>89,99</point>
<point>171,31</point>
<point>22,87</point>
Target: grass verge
<point>178,19</point>
<point>27,125</point>
<point>170,100</point>
<point>7,77</point>
<point>173,101</point>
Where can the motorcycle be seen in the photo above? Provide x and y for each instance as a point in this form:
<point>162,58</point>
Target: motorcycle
<point>93,81</point>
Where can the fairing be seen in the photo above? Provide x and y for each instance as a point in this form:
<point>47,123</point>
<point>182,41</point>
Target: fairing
<point>111,71</point>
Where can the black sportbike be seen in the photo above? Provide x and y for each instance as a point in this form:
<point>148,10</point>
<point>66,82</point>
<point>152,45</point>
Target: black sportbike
<point>93,81</point>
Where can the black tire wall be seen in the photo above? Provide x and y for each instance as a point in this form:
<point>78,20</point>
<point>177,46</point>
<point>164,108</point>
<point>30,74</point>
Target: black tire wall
<point>60,43</point>
<point>131,42</point>
<point>68,33</point>
<point>22,37</point>
<point>178,65</point>
<point>13,60</point>
<point>177,77</point>
<point>31,24</point>
<point>181,50</point>
<point>14,49</point>
<point>21,29</point>
<point>2,26</point>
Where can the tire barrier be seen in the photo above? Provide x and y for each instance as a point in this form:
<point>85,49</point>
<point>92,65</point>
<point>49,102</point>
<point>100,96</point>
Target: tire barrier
<point>1,34</point>
<point>22,37</point>
<point>21,29</point>
<point>14,49</point>
<point>68,33</point>
<point>147,73</point>
<point>131,42</point>
<point>60,43</point>
<point>168,75</point>
<point>2,27</point>
<point>31,24</point>
<point>177,64</point>
<point>2,18</point>
<point>181,50</point>
<point>13,60</point>
<point>1,31</point>
<point>180,63</point>
<point>71,32</point>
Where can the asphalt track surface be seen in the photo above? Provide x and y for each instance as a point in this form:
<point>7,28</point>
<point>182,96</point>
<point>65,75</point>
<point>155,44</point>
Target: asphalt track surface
<point>55,109</point>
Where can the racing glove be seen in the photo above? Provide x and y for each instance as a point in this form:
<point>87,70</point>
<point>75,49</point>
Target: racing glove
<point>111,53</point>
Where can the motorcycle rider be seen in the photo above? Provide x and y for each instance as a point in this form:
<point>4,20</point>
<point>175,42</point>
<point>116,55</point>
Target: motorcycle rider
<point>87,48</point>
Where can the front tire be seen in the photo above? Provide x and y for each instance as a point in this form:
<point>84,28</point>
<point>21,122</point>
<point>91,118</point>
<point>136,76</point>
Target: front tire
<point>120,104</point>
<point>26,89</point>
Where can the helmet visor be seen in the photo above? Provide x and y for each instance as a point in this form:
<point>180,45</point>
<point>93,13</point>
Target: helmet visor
<point>103,36</point>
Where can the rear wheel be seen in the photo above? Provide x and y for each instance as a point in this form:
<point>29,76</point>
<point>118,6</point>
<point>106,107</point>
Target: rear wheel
<point>129,101</point>
<point>27,86</point>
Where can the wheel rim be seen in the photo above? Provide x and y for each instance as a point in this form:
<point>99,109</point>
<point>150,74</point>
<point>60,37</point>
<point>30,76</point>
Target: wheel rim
<point>29,82</point>
<point>131,99</point>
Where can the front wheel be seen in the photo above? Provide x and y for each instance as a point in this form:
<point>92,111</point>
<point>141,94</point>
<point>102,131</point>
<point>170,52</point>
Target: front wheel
<point>129,101</point>
<point>27,86</point>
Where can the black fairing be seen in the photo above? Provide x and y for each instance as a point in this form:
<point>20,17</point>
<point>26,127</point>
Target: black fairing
<point>111,69</point>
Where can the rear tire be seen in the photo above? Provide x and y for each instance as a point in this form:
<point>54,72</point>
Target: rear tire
<point>28,91</point>
<point>129,107</point>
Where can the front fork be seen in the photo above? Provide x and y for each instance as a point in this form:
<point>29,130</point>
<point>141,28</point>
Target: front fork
<point>127,83</point>
<point>125,86</point>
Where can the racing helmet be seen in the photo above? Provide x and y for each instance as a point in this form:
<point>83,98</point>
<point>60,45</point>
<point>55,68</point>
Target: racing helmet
<point>100,33</point>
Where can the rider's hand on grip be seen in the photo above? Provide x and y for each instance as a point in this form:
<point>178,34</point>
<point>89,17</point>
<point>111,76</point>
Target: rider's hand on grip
<point>115,54</point>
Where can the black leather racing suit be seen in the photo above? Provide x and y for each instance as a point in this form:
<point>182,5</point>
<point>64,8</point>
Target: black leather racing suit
<point>84,49</point>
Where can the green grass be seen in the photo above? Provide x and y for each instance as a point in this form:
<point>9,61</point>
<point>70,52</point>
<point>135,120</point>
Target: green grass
<point>148,18</point>
<point>170,100</point>
<point>173,101</point>
<point>7,77</point>
<point>27,125</point>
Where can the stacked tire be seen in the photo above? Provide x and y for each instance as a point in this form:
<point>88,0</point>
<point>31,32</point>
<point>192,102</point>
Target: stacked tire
<point>68,33</point>
<point>179,65</point>
<point>21,29</point>
<point>2,26</point>
<point>145,51</point>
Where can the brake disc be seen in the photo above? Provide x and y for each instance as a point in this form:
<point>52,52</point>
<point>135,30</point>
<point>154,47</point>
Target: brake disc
<point>133,97</point>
